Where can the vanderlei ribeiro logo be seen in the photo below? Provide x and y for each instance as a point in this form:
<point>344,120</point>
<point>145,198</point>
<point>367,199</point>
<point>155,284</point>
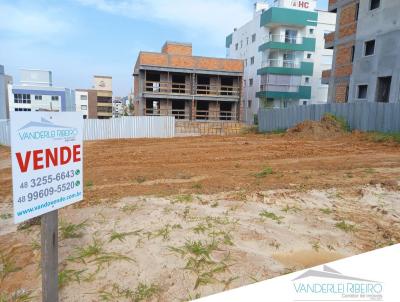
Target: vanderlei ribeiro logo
<point>46,130</point>
<point>331,285</point>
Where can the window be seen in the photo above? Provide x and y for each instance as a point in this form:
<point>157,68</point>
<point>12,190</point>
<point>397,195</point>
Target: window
<point>83,107</point>
<point>244,83</point>
<point>308,56</point>
<point>383,89</point>
<point>369,48</point>
<point>357,11</point>
<point>241,43</point>
<point>38,97</point>
<point>84,116</point>
<point>253,38</point>
<point>21,98</point>
<point>252,61</point>
<point>362,92</point>
<point>247,41</point>
<point>311,31</point>
<point>291,36</point>
<point>353,49</point>
<point>84,97</point>
<point>236,46</point>
<point>22,109</point>
<point>249,103</point>
<point>245,62</point>
<point>54,97</point>
<point>304,103</point>
<point>374,4</point>
<point>307,80</point>
<point>251,82</point>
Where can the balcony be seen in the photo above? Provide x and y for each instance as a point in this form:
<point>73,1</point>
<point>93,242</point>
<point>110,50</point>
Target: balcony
<point>329,40</point>
<point>286,16</point>
<point>326,74</point>
<point>284,92</point>
<point>288,43</point>
<point>216,90</point>
<point>286,67</point>
<point>181,114</point>
<point>167,88</point>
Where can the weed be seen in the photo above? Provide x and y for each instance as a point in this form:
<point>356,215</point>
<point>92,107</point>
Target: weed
<point>94,249</point>
<point>20,295</point>
<point>214,205</point>
<point>142,292</point>
<point>197,186</point>
<point>140,179</point>
<point>7,266</point>
<point>5,216</point>
<point>345,226</point>
<point>185,198</point>
<point>331,247</point>
<point>69,275</point>
<point>130,208</point>
<point>121,236</point>
<point>107,258</point>
<point>228,282</point>
<point>288,208</point>
<point>380,137</point>
<point>70,230</point>
<point>316,246</point>
<point>89,183</point>
<point>263,173</point>
<point>272,216</point>
<point>201,228</point>
<point>186,212</point>
<point>369,170</point>
<point>275,244</point>
<point>35,245</point>
<point>340,120</point>
<point>326,211</point>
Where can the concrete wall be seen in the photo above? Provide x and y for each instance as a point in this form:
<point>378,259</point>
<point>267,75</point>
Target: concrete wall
<point>383,25</point>
<point>3,94</point>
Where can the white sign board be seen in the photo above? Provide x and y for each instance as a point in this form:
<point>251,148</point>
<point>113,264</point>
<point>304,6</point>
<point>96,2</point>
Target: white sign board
<point>47,156</point>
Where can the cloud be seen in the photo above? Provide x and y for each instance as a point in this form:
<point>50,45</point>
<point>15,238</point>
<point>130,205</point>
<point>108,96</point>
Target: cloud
<point>211,18</point>
<point>31,23</point>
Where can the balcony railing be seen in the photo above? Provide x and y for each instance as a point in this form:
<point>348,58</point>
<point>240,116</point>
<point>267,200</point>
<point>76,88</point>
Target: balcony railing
<point>284,39</point>
<point>199,89</point>
<point>199,114</point>
<point>279,87</point>
<point>178,113</point>
<point>167,88</point>
<point>281,63</point>
<point>216,90</point>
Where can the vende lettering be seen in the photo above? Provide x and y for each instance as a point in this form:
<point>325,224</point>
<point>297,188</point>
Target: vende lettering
<point>41,159</point>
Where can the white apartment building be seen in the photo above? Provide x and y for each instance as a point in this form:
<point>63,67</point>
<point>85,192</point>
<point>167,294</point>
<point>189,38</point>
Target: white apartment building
<point>284,55</point>
<point>5,80</point>
<point>37,93</point>
<point>82,102</point>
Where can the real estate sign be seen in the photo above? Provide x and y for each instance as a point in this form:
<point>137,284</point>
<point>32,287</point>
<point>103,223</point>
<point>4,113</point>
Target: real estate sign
<point>46,151</point>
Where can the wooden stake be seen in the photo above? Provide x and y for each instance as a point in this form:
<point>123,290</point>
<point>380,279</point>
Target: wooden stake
<point>49,233</point>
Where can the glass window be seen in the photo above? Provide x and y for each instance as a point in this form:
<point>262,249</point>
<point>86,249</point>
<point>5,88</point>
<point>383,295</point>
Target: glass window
<point>83,97</point>
<point>54,97</point>
<point>251,82</point>
<point>253,38</point>
<point>249,103</point>
<point>252,60</point>
<point>83,107</point>
<point>38,97</point>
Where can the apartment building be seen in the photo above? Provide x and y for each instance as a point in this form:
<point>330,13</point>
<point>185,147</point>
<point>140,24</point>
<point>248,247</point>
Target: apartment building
<point>342,41</point>
<point>366,47</point>
<point>5,80</point>
<point>174,82</point>
<point>96,103</point>
<point>36,92</point>
<point>284,54</point>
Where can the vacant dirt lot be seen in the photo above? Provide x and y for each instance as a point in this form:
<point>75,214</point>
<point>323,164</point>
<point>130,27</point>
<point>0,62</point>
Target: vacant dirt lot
<point>174,219</point>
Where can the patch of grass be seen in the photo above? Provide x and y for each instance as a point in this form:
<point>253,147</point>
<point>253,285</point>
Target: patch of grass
<point>264,172</point>
<point>344,226</point>
<point>130,208</point>
<point>69,275</point>
<point>272,216</point>
<point>340,120</point>
<point>89,183</point>
<point>7,266</point>
<point>35,245</point>
<point>326,211</point>
<point>369,170</point>
<point>93,249</point>
<point>214,204</point>
<point>71,230</point>
<point>20,295</point>
<point>5,216</point>
<point>288,208</point>
<point>184,198</point>
<point>277,131</point>
<point>121,236</point>
<point>380,137</point>
<point>164,232</point>
<point>316,246</point>
<point>107,258</point>
<point>143,292</point>
<point>275,244</point>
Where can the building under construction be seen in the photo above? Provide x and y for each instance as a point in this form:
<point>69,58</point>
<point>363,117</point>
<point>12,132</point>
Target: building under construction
<point>176,83</point>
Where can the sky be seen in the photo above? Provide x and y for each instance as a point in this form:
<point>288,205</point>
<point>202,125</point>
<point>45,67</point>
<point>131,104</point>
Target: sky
<point>77,39</point>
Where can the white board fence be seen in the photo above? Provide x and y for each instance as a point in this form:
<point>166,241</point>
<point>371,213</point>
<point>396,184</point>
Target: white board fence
<point>117,128</point>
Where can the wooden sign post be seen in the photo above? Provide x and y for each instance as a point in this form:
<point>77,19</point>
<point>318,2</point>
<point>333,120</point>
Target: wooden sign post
<point>49,233</point>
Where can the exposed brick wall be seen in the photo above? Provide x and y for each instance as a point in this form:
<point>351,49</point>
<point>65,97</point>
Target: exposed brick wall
<point>177,49</point>
<point>179,61</point>
<point>343,64</point>
<point>347,20</point>
<point>340,92</point>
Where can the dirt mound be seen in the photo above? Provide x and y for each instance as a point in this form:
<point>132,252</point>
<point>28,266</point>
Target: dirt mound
<point>328,126</point>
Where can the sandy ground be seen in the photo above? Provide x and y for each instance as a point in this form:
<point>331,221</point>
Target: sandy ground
<point>172,220</point>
